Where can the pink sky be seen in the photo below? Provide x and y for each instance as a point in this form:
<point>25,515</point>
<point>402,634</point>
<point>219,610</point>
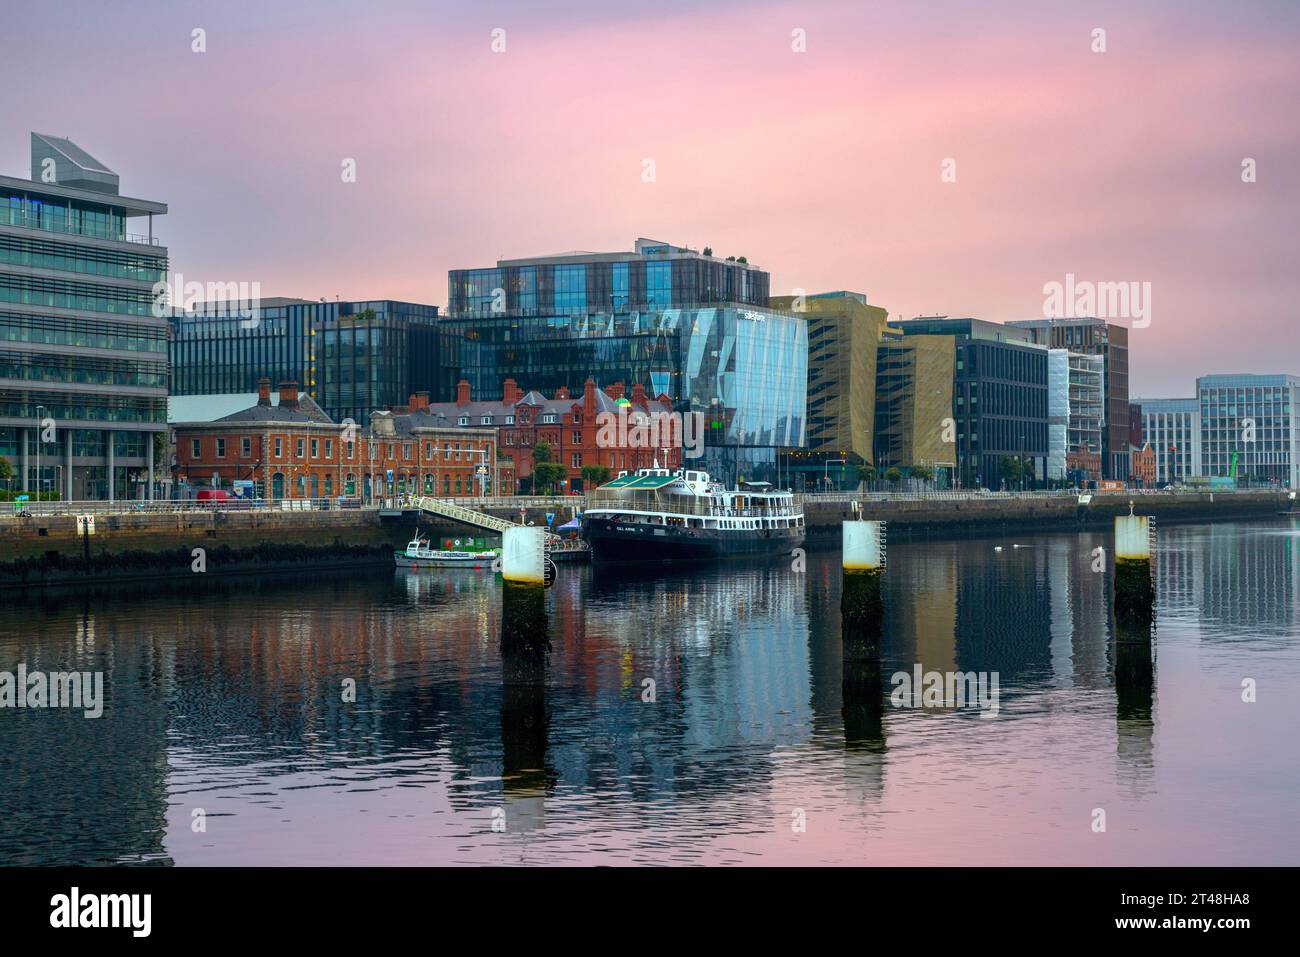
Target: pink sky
<point>822,167</point>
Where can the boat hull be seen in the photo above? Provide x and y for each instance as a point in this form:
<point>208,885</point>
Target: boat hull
<point>614,541</point>
<point>461,560</point>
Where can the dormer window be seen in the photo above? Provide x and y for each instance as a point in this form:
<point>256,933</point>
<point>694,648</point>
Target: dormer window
<point>510,420</point>
<point>463,420</point>
<point>550,417</point>
<point>486,420</point>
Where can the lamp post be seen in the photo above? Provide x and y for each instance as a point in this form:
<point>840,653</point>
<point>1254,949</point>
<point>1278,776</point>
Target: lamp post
<point>826,478</point>
<point>39,484</point>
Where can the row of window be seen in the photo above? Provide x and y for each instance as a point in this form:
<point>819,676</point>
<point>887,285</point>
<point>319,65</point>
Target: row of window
<point>87,297</point>
<point>83,259</point>
<point>64,216</point>
<point>80,332</point>
<point>301,446</point>
<point>81,370</point>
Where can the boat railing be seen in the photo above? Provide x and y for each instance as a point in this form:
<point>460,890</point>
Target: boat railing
<point>681,505</point>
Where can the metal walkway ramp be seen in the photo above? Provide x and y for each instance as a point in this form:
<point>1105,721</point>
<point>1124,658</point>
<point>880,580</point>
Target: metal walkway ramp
<point>459,513</point>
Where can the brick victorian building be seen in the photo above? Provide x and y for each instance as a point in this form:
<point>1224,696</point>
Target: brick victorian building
<point>570,425</point>
<point>293,450</point>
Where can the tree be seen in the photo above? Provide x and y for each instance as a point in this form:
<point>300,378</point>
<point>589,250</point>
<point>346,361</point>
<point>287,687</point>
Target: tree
<point>892,474</point>
<point>547,474</point>
<point>542,452</point>
<point>866,472</point>
<point>6,470</point>
<point>1012,468</point>
<point>594,475</point>
<point>923,472</point>
<point>742,259</point>
<point>708,250</point>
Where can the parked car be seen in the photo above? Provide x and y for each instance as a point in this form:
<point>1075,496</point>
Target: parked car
<point>213,495</point>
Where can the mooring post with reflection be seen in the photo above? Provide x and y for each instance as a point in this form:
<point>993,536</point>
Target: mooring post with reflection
<point>524,645</point>
<point>862,615</point>
<point>1134,587</point>
<point>1134,620</point>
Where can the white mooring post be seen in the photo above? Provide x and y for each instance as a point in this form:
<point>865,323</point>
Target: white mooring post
<point>861,610</point>
<point>1134,594</point>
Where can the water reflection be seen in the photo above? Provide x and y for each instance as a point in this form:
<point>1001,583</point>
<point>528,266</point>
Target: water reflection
<point>227,695</point>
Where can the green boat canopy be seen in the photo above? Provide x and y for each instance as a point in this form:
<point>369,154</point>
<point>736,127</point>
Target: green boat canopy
<point>639,482</point>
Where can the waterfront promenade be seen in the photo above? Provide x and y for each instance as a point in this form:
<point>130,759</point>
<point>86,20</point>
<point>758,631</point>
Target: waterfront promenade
<point>51,542</point>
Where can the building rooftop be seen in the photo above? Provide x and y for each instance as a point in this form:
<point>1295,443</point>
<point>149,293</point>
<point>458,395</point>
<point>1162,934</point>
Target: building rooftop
<point>642,248</point>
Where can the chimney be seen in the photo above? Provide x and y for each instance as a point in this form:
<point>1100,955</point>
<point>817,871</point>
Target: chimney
<point>562,392</point>
<point>615,391</point>
<point>638,395</point>
<point>289,395</point>
<point>382,424</point>
<point>462,392</point>
<point>264,391</point>
<point>419,401</point>
<point>510,392</point>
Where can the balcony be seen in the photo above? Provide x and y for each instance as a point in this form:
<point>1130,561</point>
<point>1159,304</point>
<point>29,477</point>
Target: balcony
<point>11,217</point>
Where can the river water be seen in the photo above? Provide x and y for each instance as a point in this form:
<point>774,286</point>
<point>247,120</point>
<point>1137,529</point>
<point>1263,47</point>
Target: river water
<point>226,739</point>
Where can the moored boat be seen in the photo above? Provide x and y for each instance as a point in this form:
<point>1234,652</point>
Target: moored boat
<point>418,554</point>
<point>658,515</point>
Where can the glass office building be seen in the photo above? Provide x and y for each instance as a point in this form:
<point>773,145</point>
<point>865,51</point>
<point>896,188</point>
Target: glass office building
<point>655,275</point>
<point>1250,428</point>
<point>1173,427</point>
<point>744,370</point>
<point>83,360</point>
<point>351,357</point>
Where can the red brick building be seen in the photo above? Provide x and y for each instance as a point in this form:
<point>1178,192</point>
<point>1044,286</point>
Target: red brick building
<point>600,427</point>
<point>293,450</point>
<point>1144,465</point>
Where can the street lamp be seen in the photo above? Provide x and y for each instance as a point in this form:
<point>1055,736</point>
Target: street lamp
<point>826,479</point>
<point>39,484</point>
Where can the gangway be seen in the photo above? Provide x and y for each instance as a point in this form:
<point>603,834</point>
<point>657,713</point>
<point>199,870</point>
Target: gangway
<point>459,513</point>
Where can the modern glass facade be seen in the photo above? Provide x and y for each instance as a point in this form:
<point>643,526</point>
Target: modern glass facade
<point>654,276</point>
<point>1173,427</point>
<point>83,360</point>
<point>1250,428</point>
<point>744,370</point>
<point>1096,337</point>
<point>351,357</point>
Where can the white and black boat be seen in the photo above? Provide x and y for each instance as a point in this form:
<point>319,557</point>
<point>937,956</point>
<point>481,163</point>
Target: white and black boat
<point>660,515</point>
<point>418,554</point>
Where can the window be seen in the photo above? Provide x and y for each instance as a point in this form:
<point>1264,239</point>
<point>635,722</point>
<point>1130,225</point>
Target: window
<point>351,449</point>
<point>577,418</point>
<point>300,446</point>
<point>510,438</point>
<point>315,448</point>
<point>510,420</point>
<point>329,448</point>
<point>406,450</point>
<point>446,450</point>
<point>463,420</point>
<point>194,449</point>
<point>245,446</point>
<point>486,420</point>
<point>428,450</point>
<point>577,438</point>
<point>221,448</point>
<point>576,460</point>
<point>279,447</point>
<point>550,417</point>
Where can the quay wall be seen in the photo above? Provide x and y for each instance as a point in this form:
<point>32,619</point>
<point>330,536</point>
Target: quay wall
<point>47,549</point>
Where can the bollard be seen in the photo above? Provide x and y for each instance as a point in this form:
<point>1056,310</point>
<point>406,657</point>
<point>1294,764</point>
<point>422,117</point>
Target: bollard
<point>1134,591</point>
<point>524,646</point>
<point>861,609</point>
